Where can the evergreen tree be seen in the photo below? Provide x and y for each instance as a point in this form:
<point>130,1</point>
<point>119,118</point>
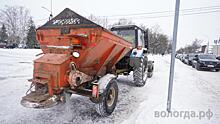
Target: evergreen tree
<point>31,35</point>
<point>3,34</point>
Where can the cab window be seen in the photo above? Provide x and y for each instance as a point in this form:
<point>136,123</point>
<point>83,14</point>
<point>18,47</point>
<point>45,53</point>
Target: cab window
<point>140,38</point>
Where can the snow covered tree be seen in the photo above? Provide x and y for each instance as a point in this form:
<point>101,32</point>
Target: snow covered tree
<point>15,19</point>
<point>192,48</point>
<point>158,41</point>
<point>3,34</point>
<point>31,35</point>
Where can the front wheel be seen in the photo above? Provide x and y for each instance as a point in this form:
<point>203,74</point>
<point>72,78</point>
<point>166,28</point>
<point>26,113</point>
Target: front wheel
<point>108,99</point>
<point>139,75</point>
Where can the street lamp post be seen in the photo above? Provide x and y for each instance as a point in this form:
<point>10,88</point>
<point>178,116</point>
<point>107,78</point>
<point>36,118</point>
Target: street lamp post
<point>51,14</point>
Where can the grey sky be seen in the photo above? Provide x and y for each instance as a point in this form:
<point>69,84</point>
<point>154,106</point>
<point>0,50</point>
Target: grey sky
<point>205,26</point>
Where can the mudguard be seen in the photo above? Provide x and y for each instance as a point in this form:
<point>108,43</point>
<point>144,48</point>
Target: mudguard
<point>103,82</point>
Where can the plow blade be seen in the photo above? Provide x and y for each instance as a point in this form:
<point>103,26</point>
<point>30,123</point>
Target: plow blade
<point>38,100</point>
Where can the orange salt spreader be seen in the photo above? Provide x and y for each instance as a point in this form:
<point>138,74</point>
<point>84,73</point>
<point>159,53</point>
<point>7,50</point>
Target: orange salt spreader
<point>79,56</point>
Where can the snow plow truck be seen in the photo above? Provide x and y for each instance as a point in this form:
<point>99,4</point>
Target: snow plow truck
<point>81,57</point>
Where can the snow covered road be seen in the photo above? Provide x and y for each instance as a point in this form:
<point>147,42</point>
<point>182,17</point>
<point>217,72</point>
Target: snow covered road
<point>193,91</point>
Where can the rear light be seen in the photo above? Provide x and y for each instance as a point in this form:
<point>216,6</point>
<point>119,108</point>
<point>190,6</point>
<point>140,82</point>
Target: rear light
<point>95,92</point>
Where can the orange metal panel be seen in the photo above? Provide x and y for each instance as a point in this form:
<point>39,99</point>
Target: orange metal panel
<point>53,58</point>
<point>100,50</point>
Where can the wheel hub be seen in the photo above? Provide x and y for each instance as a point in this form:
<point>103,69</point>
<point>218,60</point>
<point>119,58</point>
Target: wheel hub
<point>111,97</point>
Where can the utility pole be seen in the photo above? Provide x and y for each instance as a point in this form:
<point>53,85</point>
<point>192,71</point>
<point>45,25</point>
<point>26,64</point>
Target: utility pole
<point>175,28</point>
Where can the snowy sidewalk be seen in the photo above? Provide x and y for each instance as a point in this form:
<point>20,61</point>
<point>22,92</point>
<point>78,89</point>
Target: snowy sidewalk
<point>193,91</point>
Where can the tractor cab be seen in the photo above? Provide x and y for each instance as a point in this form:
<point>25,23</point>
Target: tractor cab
<point>136,60</point>
<point>133,34</point>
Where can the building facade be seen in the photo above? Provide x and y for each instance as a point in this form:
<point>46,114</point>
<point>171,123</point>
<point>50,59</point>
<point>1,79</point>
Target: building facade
<point>216,50</point>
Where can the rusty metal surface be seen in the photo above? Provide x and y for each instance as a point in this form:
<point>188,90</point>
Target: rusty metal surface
<point>36,97</point>
<point>77,78</point>
<point>53,58</point>
<point>39,81</point>
<point>52,69</point>
<point>99,50</point>
<point>38,100</point>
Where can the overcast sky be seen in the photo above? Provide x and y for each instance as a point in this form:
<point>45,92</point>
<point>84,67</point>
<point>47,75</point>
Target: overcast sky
<point>202,26</point>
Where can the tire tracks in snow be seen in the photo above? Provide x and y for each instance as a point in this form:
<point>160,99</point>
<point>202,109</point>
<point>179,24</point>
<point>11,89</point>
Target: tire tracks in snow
<point>81,110</point>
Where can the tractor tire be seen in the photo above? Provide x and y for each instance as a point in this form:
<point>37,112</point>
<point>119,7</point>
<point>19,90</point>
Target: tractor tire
<point>139,75</point>
<point>108,99</point>
<point>149,74</point>
<point>150,71</point>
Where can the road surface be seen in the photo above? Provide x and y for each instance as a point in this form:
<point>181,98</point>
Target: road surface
<point>193,91</point>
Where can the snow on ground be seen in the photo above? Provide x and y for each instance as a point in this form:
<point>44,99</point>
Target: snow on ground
<point>193,91</point>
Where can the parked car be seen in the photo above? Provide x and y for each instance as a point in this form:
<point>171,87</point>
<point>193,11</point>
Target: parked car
<point>206,61</point>
<point>11,46</point>
<point>3,45</point>
<point>181,57</point>
<point>178,56</point>
<point>184,57</point>
<point>194,61</point>
<point>189,58</point>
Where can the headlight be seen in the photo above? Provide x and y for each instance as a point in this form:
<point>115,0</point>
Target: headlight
<point>76,54</point>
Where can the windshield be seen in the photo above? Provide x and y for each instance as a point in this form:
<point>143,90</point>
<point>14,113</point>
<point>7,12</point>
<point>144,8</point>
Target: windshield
<point>140,38</point>
<point>206,56</point>
<point>128,35</point>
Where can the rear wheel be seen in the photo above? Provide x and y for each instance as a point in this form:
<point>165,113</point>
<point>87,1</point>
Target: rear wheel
<point>149,74</point>
<point>108,99</point>
<point>217,70</point>
<point>139,74</point>
<point>150,70</point>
